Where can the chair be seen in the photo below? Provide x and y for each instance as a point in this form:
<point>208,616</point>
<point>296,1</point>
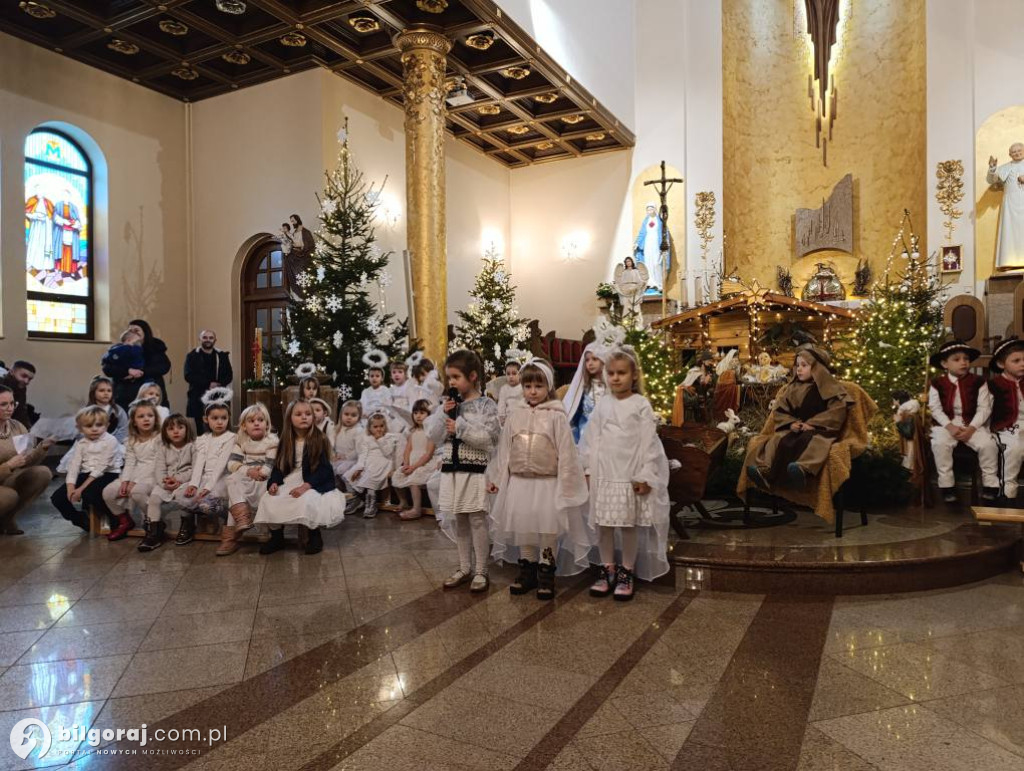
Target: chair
<point>824,493</point>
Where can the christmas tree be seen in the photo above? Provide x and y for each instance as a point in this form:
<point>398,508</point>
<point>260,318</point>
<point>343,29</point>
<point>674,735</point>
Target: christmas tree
<point>898,327</point>
<point>660,365</point>
<point>337,322</point>
<point>491,325</point>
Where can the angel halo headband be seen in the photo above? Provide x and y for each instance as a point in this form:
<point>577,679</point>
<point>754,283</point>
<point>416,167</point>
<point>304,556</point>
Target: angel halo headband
<point>220,396</point>
<point>545,368</point>
<point>414,359</point>
<point>375,358</point>
<point>307,369</point>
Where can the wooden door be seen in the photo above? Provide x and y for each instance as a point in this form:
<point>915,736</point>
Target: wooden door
<point>264,300</point>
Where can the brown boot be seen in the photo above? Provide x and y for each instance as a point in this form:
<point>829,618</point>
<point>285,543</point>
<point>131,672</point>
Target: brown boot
<point>242,513</point>
<point>228,541</point>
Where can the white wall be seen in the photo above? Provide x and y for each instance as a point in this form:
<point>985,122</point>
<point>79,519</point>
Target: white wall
<point>974,57</point>
<point>141,135</point>
<point>592,40</point>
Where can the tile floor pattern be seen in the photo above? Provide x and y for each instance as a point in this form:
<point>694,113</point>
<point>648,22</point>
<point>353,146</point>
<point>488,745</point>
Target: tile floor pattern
<point>355,659</point>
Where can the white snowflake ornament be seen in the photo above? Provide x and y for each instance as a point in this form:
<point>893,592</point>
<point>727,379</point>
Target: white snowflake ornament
<point>339,339</point>
<point>304,279</point>
<point>345,392</point>
<point>293,348</point>
<point>333,304</point>
<point>384,279</point>
<point>320,273</point>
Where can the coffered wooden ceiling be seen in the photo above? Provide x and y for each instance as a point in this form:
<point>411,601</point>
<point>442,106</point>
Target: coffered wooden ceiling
<point>526,108</point>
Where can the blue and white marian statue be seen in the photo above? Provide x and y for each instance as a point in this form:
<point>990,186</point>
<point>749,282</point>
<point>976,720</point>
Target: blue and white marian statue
<point>647,248</point>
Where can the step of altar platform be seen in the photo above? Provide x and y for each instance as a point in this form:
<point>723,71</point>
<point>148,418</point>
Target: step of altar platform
<point>898,551</point>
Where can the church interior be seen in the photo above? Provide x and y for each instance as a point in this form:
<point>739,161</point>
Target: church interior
<point>715,307</point>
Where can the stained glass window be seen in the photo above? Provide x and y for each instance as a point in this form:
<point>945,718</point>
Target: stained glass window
<point>58,236</point>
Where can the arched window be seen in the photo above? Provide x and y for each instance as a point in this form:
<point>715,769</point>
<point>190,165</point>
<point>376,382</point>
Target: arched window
<point>58,236</point>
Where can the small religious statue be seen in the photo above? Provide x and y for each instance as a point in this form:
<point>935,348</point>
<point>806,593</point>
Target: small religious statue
<point>1010,242</point>
<point>631,282</point>
<point>647,249</point>
<point>298,257</point>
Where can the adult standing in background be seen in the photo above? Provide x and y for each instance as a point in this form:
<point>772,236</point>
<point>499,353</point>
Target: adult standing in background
<point>206,367</point>
<point>22,477</point>
<point>154,351</point>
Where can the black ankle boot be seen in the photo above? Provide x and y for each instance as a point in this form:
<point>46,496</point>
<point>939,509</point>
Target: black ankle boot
<point>186,530</point>
<point>154,536</point>
<point>314,541</point>
<point>276,542</point>
<point>526,581</point>
<point>546,576</point>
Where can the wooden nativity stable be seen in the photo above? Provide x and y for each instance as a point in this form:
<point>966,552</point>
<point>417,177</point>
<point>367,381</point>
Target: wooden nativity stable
<point>742,320</point>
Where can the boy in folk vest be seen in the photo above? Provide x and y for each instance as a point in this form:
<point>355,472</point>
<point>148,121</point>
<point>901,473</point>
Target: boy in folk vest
<point>960,404</point>
<point>1007,388</point>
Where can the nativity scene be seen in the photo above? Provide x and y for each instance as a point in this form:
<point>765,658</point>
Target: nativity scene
<point>499,384</point>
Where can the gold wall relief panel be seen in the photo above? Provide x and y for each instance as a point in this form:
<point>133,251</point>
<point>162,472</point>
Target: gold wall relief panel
<point>997,133</point>
<point>771,166</point>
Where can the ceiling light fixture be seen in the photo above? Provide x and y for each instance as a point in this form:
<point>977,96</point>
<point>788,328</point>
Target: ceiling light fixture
<point>547,98</point>
<point>173,27</point>
<point>481,41</point>
<point>236,57</point>
<point>489,109</point>
<point>364,24</point>
<point>37,10</point>
<point>293,40</point>
<point>185,72</point>
<point>432,6</point>
<point>572,120</point>
<point>515,73</point>
<point>234,7</point>
<point>123,47</point>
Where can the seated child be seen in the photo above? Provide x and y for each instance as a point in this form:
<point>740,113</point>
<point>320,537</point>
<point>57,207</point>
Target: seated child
<point>322,416</point>
<point>135,484</point>
<point>960,404</point>
<point>401,387</point>
<point>249,467</point>
<point>154,394</point>
<point>1007,387</point>
<point>347,436</point>
<point>425,374</point>
<point>173,471</point>
<point>207,491</point>
<point>376,395</point>
<point>511,393</point>
<point>377,455</point>
<point>808,416</point>
<point>95,461</point>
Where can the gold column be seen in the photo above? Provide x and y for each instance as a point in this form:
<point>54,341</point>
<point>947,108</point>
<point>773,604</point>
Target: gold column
<point>423,59</point>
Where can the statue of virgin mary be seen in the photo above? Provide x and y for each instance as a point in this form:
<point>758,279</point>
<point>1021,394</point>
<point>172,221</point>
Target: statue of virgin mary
<point>647,249</point>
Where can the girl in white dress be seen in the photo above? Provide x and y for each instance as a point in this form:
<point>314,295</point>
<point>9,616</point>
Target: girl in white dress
<point>249,467</point>
<point>173,471</point>
<point>628,471</point>
<point>540,488</point>
<point>418,463</point>
<point>468,429</point>
<point>347,437</point>
<point>207,491</point>
<point>377,455</point>
<point>137,475</point>
<point>301,489</point>
<point>154,394</point>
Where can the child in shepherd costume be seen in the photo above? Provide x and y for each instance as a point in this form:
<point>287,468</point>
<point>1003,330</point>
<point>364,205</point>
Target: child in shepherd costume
<point>960,404</point>
<point>1007,423</point>
<point>808,416</point>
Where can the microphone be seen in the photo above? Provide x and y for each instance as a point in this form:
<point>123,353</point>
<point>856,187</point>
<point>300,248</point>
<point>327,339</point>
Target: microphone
<point>455,396</point>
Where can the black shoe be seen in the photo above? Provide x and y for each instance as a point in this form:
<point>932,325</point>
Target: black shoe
<point>754,475</point>
<point>989,494</point>
<point>276,542</point>
<point>314,541</point>
<point>546,577</point>
<point>526,581</point>
<point>796,474</point>
<point>948,494</point>
<point>154,536</point>
<point>186,530</point>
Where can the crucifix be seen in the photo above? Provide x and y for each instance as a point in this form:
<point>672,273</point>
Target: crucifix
<point>661,187</point>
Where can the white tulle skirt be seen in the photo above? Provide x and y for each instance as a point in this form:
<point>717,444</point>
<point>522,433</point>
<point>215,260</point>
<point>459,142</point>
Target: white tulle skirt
<point>311,509</point>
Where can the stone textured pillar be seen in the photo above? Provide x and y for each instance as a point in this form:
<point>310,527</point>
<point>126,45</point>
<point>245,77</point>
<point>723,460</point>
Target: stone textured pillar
<point>423,60</point>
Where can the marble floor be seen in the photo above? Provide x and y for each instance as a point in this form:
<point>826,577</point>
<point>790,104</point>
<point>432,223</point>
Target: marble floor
<point>356,659</point>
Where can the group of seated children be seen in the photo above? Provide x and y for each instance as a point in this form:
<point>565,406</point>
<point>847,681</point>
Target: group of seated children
<point>548,504</point>
<point>985,415</point>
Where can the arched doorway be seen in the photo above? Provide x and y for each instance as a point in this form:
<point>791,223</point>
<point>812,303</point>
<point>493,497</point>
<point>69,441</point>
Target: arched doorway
<point>264,299</point>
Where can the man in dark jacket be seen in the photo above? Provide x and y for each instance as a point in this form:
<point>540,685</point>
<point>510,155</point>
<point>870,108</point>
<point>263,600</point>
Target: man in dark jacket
<point>206,367</point>
<point>17,379</point>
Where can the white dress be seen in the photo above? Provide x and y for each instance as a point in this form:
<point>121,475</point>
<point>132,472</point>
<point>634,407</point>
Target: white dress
<point>311,509</point>
<point>530,502</point>
<point>1010,244</point>
<point>174,462</point>
<point>620,446</point>
<point>346,443</point>
<point>418,442</point>
<point>376,462</point>
<point>462,487</point>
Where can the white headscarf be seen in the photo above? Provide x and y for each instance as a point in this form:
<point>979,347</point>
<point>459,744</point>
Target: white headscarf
<point>607,336</point>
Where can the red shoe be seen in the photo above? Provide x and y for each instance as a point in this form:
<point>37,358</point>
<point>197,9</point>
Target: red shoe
<point>124,524</point>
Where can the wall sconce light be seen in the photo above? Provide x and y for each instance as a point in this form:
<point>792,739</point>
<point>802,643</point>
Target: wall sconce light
<point>387,209</point>
<point>574,246</point>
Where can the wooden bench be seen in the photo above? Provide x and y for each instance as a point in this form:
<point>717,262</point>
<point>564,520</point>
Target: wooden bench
<point>206,530</point>
<point>989,515</point>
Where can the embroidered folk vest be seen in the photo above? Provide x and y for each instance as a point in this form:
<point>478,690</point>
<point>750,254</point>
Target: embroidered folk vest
<point>968,386</point>
<point>1005,402</point>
